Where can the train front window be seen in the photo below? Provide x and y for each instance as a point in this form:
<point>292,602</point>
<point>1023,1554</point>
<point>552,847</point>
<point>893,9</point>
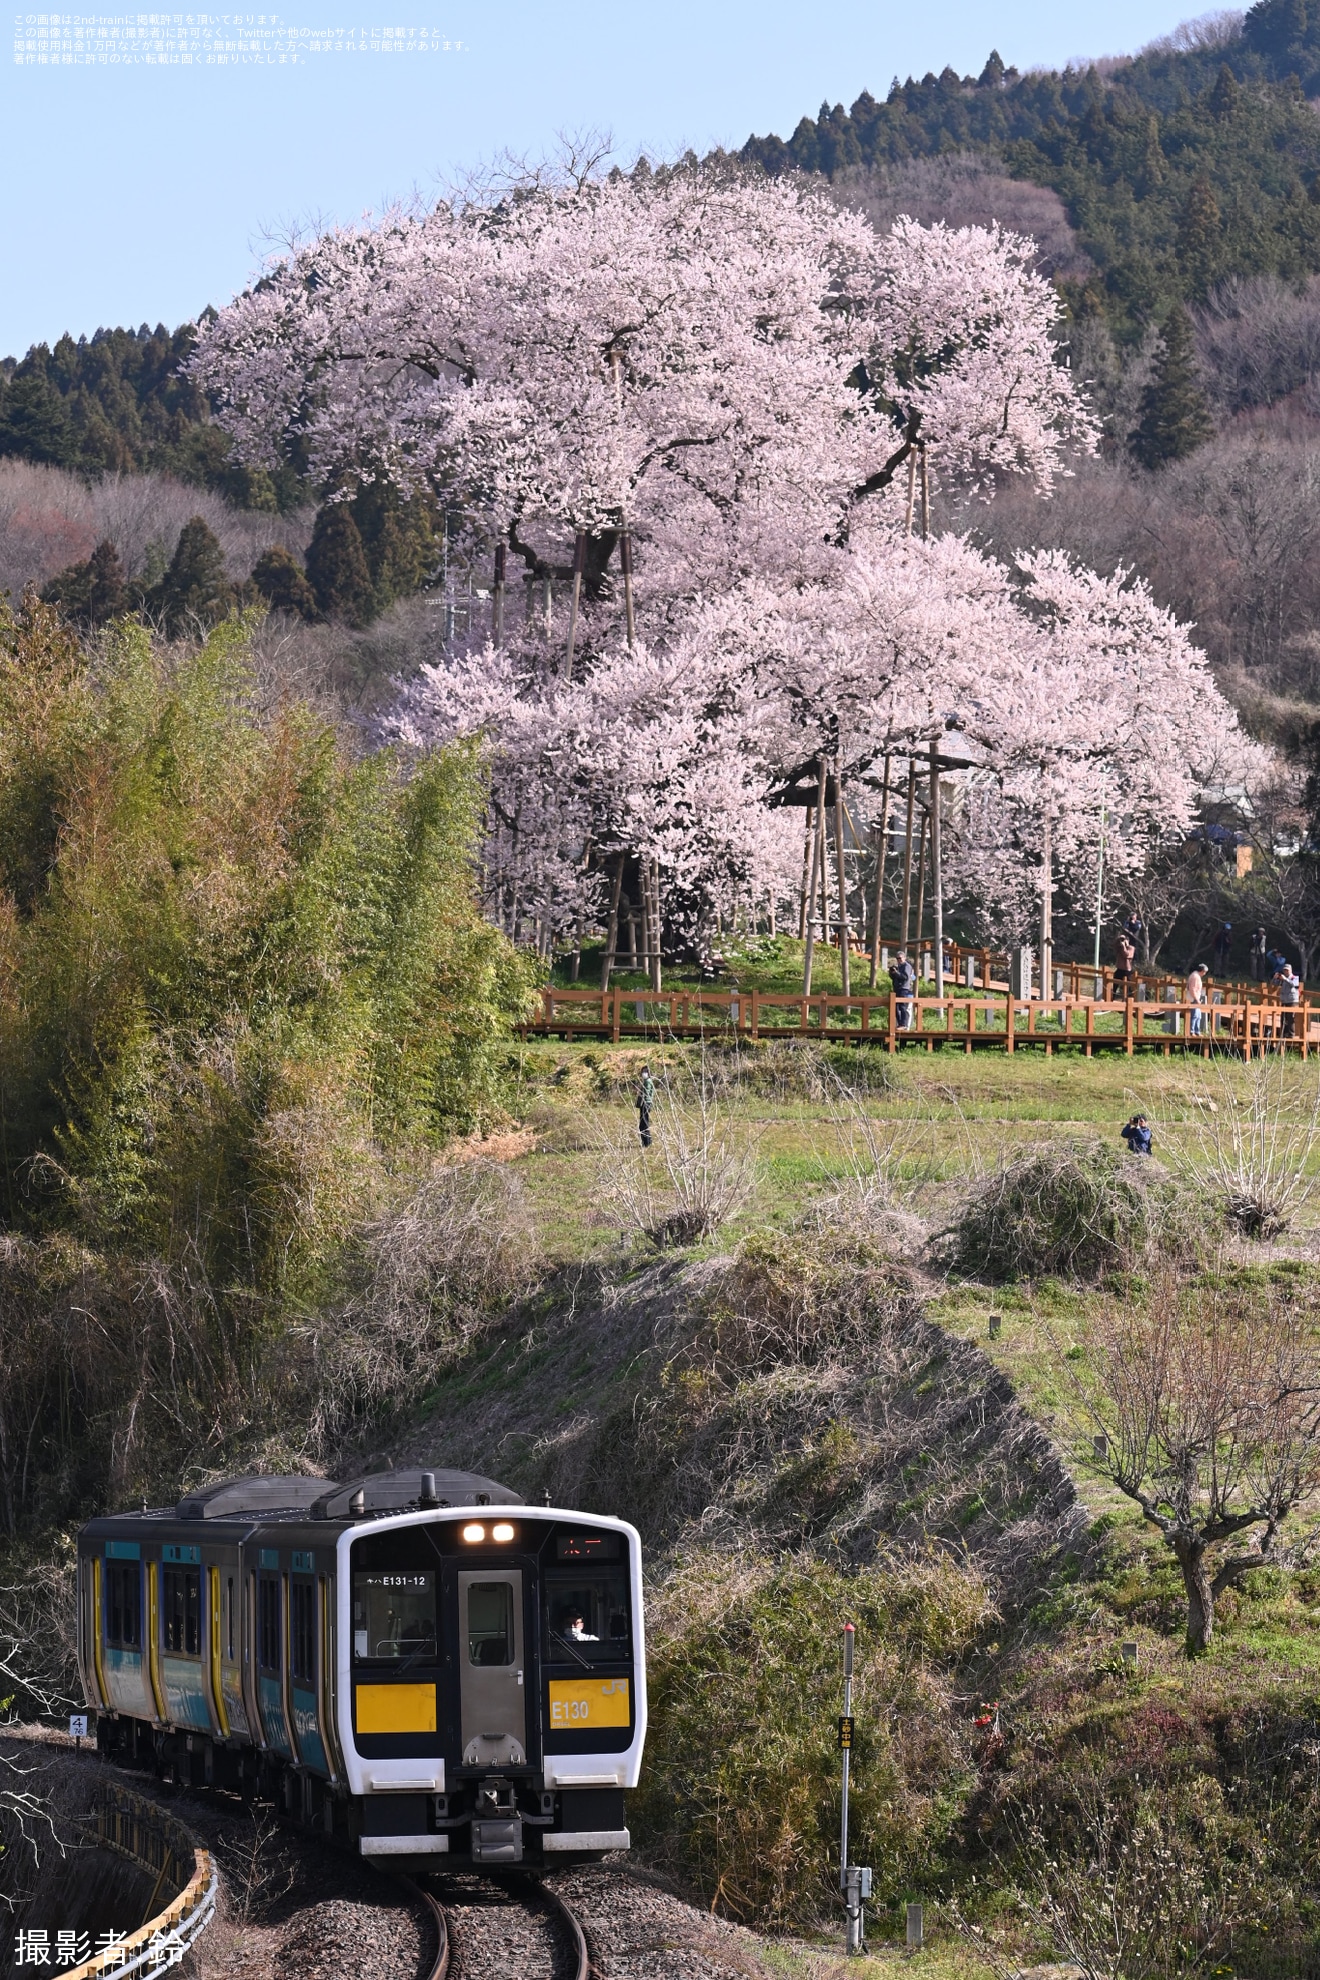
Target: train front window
<point>585,1612</point>
<point>394,1618</point>
<point>490,1622</point>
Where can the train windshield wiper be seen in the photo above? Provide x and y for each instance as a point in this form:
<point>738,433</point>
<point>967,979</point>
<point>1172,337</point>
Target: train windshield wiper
<point>423,1650</point>
<point>576,1655</point>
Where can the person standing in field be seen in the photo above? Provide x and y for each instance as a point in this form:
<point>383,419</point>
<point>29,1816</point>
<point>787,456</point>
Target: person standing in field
<point>1137,1135</point>
<point>1223,944</point>
<point>1259,944</point>
<point>645,1102</point>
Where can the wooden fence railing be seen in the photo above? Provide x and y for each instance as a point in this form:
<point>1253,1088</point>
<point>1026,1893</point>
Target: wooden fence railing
<point>988,969</point>
<point>969,1019</point>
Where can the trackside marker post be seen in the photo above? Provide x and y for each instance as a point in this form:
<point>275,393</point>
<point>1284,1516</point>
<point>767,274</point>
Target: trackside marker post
<point>853,1879</point>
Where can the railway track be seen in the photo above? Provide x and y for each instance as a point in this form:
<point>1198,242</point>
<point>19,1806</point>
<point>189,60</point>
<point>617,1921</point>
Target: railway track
<point>500,1927</point>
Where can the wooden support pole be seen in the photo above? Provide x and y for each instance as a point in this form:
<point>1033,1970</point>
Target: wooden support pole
<point>921,878</point>
<point>655,925</point>
<point>1046,906</point>
<point>907,853</point>
<point>925,495</point>
<point>844,958</point>
<point>612,933</point>
<point>626,566</point>
<point>575,598</point>
<point>497,598</point>
<point>822,874</point>
<point>811,887</point>
<point>805,909</point>
<point>881,856</point>
<point>936,869</point>
<point>912,491</point>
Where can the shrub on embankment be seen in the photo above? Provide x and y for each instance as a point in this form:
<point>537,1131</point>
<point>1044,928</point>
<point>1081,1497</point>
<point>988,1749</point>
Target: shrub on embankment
<point>1070,1210</point>
<point>245,992</point>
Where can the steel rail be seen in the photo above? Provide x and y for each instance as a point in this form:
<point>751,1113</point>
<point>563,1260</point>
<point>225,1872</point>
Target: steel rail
<point>570,1922</point>
<point>440,1920</point>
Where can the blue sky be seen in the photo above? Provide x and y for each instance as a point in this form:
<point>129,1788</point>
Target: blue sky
<point>143,193</point>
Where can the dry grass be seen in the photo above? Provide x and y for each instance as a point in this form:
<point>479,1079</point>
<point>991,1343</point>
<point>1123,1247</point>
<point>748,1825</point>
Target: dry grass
<point>1065,1209</point>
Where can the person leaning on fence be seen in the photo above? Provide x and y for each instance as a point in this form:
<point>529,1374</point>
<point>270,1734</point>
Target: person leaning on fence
<point>903,977</point>
<point>1195,994</point>
<point>645,1102</point>
<point>1289,986</point>
<point>1137,1135</point>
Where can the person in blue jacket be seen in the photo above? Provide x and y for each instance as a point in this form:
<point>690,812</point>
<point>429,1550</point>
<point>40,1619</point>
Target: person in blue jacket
<point>1137,1135</point>
<point>903,977</point>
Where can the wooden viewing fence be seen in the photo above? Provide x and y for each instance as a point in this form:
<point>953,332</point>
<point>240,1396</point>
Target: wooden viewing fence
<point>988,969</point>
<point>969,1019</point>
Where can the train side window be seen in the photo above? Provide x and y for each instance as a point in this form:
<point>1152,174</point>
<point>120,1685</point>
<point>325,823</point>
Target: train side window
<point>123,1605</point>
<point>490,1622</point>
<point>181,1611</point>
<point>302,1650</point>
<point>268,1625</point>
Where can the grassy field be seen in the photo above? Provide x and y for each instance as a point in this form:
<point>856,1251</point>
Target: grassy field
<point>939,1120</point>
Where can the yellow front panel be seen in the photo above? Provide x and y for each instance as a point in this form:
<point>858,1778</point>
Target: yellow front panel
<point>395,1708</point>
<point>587,1702</point>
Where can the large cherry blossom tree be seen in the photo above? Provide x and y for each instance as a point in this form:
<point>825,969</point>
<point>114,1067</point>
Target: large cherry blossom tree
<point>718,382</point>
<point>723,368</point>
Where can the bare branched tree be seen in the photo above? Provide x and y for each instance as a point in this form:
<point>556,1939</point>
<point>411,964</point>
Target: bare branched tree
<point>1251,1153</point>
<point>1206,1414</point>
<point>701,1167</point>
<point>1136,1889</point>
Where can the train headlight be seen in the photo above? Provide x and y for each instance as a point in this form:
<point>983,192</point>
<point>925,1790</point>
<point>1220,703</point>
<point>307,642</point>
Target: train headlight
<point>474,1534</point>
<point>502,1532</point>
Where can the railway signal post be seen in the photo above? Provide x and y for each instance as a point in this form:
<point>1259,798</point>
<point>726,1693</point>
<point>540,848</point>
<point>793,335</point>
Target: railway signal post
<point>854,1880</point>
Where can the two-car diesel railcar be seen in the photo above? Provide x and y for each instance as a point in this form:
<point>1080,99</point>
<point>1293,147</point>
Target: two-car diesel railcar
<point>415,1661</point>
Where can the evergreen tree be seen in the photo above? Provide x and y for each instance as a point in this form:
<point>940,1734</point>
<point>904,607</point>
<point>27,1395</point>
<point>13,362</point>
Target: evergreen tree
<point>107,593</point>
<point>1225,94</point>
<point>195,589</point>
<point>281,583</point>
<point>91,594</point>
<point>399,540</point>
<point>1175,418</point>
<point>1273,27</point>
<point>1200,237</point>
<point>34,421</point>
<point>337,567</point>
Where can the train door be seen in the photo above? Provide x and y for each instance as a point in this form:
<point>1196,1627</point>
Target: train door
<point>492,1667</point>
<point>270,1658</point>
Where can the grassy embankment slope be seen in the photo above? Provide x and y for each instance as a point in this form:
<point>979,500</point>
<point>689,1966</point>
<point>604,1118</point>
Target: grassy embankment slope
<point>807,1420</point>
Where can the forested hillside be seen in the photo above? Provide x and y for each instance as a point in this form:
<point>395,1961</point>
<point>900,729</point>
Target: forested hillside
<point>1197,160</point>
